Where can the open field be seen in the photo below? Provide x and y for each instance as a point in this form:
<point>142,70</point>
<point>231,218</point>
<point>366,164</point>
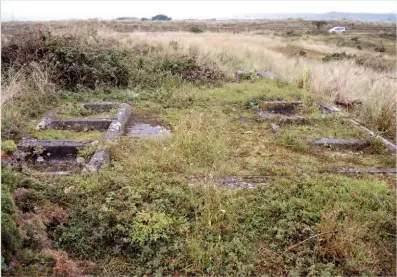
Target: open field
<point>170,206</point>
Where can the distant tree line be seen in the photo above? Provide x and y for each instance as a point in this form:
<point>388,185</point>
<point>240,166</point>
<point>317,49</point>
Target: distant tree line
<point>159,17</point>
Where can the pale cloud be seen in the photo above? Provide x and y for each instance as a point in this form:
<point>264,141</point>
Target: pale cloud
<point>45,10</point>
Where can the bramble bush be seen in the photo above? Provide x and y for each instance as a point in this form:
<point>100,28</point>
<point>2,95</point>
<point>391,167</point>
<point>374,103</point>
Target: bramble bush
<point>75,62</point>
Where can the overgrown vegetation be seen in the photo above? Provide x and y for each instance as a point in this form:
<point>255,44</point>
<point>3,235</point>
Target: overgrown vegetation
<point>157,208</point>
<point>51,64</point>
<point>338,56</point>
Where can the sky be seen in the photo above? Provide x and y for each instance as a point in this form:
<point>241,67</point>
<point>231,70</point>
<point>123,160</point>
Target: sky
<point>73,9</point>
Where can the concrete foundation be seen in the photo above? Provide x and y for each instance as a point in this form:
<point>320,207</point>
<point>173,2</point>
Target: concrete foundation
<point>264,74</point>
<point>349,143</point>
<point>116,128</point>
<point>282,107</point>
<point>80,124</point>
<point>99,106</point>
<point>282,118</point>
<point>52,148</point>
<point>369,170</point>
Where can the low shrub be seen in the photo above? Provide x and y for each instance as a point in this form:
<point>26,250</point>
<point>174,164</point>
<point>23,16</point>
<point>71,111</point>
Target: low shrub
<point>11,239</point>
<point>196,29</point>
<point>380,49</point>
<point>75,62</point>
<point>338,56</point>
<point>8,146</point>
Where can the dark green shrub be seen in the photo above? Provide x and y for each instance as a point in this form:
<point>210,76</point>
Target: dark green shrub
<point>11,239</point>
<point>72,62</point>
<point>161,17</point>
<point>380,49</point>
<point>338,57</point>
<point>28,200</point>
<point>196,29</point>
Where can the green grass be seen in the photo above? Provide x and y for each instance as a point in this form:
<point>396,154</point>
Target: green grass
<point>73,110</point>
<point>52,134</point>
<point>141,213</point>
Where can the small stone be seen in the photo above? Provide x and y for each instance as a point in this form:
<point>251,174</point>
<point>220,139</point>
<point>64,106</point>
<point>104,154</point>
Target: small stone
<point>80,160</point>
<point>95,142</point>
<point>40,159</point>
<point>48,154</point>
<point>41,125</point>
<point>275,127</point>
<point>68,189</point>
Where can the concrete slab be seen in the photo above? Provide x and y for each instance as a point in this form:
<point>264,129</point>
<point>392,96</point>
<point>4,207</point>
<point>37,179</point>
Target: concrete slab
<point>118,125</point>
<point>324,107</point>
<point>283,107</point>
<point>116,128</point>
<point>80,124</point>
<point>369,170</point>
<point>98,159</point>
<point>232,182</point>
<point>99,106</point>
<point>337,142</point>
<point>143,130</point>
<point>282,118</point>
<point>52,148</point>
<point>389,145</point>
<point>239,74</point>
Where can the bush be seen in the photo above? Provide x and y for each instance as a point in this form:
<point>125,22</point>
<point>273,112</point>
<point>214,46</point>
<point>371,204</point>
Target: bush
<point>74,63</point>
<point>8,146</point>
<point>161,17</point>
<point>71,61</point>
<point>196,29</point>
<point>338,57</point>
<point>11,239</point>
<point>380,49</point>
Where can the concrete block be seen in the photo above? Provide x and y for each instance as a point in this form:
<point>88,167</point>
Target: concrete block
<point>369,170</point>
<point>52,148</point>
<point>99,106</point>
<point>389,145</point>
<point>264,74</point>
<point>280,106</point>
<point>98,159</point>
<point>118,125</point>
<point>282,118</point>
<point>337,142</point>
<point>80,124</point>
<point>324,107</point>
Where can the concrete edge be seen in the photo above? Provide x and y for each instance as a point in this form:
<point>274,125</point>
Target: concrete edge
<point>60,147</point>
<point>116,128</point>
<point>100,106</point>
<point>78,123</point>
<point>339,142</point>
<point>328,108</point>
<point>368,170</point>
<point>389,145</point>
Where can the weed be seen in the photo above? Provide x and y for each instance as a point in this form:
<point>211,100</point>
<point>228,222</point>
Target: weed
<point>87,152</point>
<point>196,29</point>
<point>338,56</point>
<point>52,134</point>
<point>8,146</point>
<point>380,49</point>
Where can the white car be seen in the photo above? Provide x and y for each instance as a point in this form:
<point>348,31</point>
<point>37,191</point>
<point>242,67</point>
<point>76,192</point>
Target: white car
<point>337,30</point>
